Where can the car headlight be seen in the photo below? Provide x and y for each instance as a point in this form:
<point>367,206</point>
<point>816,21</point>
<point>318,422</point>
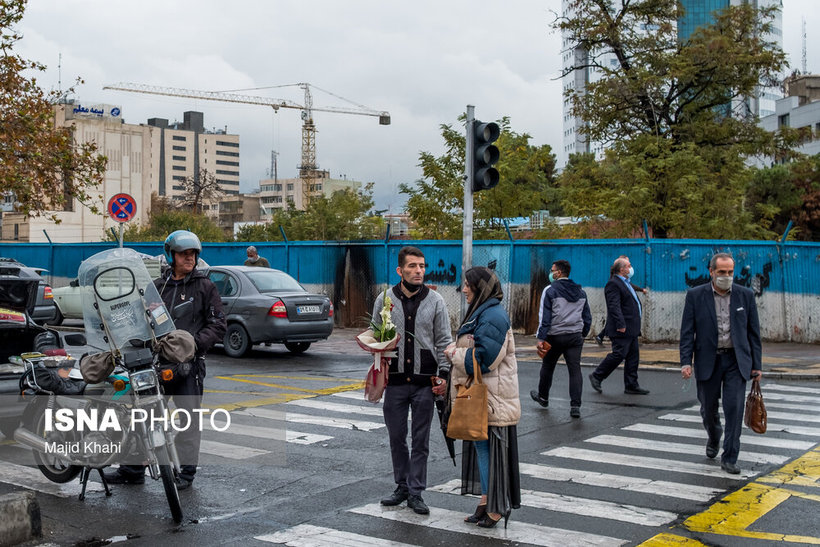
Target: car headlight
<point>143,379</point>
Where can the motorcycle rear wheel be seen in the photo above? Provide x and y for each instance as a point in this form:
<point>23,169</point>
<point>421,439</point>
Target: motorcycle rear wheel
<point>166,471</point>
<point>52,467</point>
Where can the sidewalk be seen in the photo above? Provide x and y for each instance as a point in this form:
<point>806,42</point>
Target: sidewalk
<point>780,359</point>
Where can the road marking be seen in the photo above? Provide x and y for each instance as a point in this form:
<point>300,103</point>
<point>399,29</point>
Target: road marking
<point>32,479</point>
<point>788,416</point>
<point>644,462</point>
<point>252,403</point>
<point>795,389</point>
<point>633,484</point>
<point>679,448</point>
<point>580,506</point>
<point>786,406</point>
<point>336,407</point>
<point>769,395</point>
<point>353,394</point>
<point>770,427</point>
<point>689,432</point>
<point>231,451</point>
<point>341,423</point>
<point>325,391</point>
<point>671,540</point>
<point>443,519</point>
<point>272,434</point>
<point>306,535</point>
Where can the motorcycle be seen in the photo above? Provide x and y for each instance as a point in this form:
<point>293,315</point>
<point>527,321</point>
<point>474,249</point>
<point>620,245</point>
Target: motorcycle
<point>96,413</point>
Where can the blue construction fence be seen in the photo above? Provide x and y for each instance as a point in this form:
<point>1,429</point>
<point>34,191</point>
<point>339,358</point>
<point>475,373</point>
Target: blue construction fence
<point>784,276</point>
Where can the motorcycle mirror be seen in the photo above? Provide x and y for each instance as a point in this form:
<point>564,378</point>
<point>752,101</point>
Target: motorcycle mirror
<point>75,339</point>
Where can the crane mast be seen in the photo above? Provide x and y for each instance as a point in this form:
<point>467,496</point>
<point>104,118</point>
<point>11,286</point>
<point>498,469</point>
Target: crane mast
<point>308,169</point>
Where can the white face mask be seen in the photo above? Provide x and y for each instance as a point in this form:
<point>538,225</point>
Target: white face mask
<point>630,273</point>
<point>723,282</point>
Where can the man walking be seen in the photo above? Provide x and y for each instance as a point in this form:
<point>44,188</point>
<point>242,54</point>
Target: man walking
<point>564,322</point>
<point>623,326</point>
<point>418,373</point>
<point>599,338</point>
<point>720,335</point>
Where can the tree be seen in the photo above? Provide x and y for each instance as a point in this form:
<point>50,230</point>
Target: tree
<point>40,164</point>
<point>166,218</point>
<point>527,184</point>
<point>200,188</point>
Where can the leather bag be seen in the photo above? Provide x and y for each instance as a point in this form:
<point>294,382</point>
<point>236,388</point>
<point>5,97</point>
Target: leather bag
<point>468,417</point>
<point>755,415</point>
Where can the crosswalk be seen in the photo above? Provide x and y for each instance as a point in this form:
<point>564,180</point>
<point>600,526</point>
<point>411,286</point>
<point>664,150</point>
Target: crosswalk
<point>644,475</point>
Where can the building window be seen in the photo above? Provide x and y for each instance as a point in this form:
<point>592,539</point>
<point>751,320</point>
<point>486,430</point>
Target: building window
<point>290,187</point>
<point>231,163</point>
<point>227,143</point>
<point>223,172</point>
<point>178,167</point>
<point>177,177</point>
<point>178,148</point>
<point>226,153</point>
<point>178,158</point>
<point>178,187</point>
<point>16,231</point>
<point>179,138</point>
<point>783,121</point>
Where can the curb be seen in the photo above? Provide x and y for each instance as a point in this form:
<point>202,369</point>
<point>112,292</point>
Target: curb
<point>19,518</point>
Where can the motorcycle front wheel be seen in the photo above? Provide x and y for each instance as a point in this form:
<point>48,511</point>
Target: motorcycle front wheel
<point>166,471</point>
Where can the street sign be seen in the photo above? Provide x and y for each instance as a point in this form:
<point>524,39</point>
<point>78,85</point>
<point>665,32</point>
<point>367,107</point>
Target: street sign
<point>122,208</point>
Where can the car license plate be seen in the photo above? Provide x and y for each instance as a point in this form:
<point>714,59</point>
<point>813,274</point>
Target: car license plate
<point>308,309</point>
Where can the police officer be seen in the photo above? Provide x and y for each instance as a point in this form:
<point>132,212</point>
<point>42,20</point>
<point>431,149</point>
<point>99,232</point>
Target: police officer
<point>195,306</point>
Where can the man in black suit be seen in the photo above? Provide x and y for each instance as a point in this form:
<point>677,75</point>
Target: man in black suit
<point>721,329</point>
<point>623,326</point>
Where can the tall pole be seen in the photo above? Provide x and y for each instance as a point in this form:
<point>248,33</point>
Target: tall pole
<point>469,175</point>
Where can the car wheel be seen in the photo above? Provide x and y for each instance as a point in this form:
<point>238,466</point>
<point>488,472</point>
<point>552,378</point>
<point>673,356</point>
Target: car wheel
<point>297,347</point>
<point>58,318</point>
<point>236,341</point>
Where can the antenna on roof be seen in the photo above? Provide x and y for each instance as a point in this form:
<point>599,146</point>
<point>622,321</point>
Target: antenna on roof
<point>805,64</point>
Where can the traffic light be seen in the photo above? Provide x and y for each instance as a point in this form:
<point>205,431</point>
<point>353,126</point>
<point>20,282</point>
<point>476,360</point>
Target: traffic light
<point>485,155</point>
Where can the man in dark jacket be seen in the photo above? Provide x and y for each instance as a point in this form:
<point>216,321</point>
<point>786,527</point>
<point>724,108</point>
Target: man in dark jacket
<point>623,326</point>
<point>565,320</point>
<point>195,306</point>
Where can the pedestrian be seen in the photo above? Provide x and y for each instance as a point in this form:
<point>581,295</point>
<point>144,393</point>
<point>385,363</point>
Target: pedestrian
<point>420,316</point>
<point>564,322</point>
<point>195,306</point>
<point>720,335</point>
<point>599,338</point>
<point>623,326</point>
<point>254,259</point>
<point>490,467</point>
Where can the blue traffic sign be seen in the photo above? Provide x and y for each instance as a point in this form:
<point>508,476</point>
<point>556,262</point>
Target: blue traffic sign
<point>122,207</point>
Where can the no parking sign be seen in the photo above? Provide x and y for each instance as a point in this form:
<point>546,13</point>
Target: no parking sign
<point>122,207</point>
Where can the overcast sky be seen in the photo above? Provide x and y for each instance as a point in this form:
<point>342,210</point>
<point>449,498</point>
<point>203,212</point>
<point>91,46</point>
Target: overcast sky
<point>422,61</point>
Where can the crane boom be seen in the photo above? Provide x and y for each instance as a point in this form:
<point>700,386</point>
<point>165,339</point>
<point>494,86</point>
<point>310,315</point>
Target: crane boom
<point>308,170</point>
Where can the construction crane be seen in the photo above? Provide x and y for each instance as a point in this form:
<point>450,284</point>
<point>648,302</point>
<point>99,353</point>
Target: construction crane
<point>308,170</point>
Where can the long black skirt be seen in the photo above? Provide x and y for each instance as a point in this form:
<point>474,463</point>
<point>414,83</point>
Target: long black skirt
<point>504,491</point>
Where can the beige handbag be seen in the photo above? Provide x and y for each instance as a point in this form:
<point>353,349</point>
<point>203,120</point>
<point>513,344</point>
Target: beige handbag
<point>468,418</point>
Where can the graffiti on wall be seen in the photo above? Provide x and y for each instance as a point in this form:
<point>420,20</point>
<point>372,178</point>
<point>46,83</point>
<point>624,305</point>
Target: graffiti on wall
<point>442,274</point>
<point>758,282</point>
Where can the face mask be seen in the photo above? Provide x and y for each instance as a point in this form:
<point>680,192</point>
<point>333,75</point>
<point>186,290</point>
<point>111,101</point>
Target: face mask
<point>631,273</point>
<point>409,286</point>
<point>254,259</point>
<point>552,277</point>
<point>723,282</point>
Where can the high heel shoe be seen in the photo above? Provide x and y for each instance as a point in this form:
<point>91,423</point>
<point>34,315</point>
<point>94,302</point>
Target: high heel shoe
<point>480,511</point>
<point>489,522</point>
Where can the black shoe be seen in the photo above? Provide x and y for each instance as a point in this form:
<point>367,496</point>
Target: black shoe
<point>399,495</point>
<point>711,449</point>
<point>575,412</point>
<point>183,484</point>
<point>480,511</point>
<point>636,391</point>
<point>489,522</point>
<point>115,477</point>
<point>596,383</point>
<point>730,468</point>
<point>417,504</point>
<point>538,399</point>
<point>600,341</point>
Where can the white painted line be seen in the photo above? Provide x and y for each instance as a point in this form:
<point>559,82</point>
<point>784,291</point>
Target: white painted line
<point>790,416</point>
<point>270,434</point>
<point>795,389</point>
<point>292,417</point>
<point>305,438</point>
<point>357,395</point>
<point>580,506</point>
<point>771,395</point>
<point>688,432</point>
<point>793,429</point>
<point>31,479</point>
<point>644,462</point>
<point>522,532</point>
<point>321,404</point>
<point>679,448</point>
<point>305,535</point>
<point>786,406</point>
<point>231,451</point>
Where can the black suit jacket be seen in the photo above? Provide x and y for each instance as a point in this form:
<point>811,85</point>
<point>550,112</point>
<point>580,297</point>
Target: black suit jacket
<point>698,331</point>
<point>622,310</point>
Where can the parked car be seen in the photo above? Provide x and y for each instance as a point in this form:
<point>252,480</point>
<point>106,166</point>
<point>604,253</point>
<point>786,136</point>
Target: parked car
<point>44,309</point>
<point>263,305</point>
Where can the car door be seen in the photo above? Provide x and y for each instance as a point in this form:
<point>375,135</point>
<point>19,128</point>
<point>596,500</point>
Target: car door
<point>228,288</point>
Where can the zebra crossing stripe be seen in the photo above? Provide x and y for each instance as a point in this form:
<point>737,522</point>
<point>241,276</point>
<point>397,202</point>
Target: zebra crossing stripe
<point>357,395</point>
<point>689,432</point>
<point>272,434</point>
<point>793,429</point>
<point>292,417</point>
<point>645,462</point>
<point>580,506</point>
<point>771,395</point>
<point>787,406</point>
<point>522,532</point>
<point>788,416</point>
<point>679,448</point>
<point>305,535</point>
<point>31,478</point>
<point>336,407</point>
<point>231,451</point>
<point>793,389</point>
<point>667,489</point>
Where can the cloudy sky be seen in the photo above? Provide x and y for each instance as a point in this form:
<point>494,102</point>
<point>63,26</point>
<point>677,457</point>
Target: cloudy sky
<point>422,61</point>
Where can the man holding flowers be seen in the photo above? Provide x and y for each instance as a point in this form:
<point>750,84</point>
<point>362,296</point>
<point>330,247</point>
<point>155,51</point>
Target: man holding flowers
<point>419,372</point>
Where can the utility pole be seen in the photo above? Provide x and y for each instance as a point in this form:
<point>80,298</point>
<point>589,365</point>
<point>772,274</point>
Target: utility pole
<point>469,175</point>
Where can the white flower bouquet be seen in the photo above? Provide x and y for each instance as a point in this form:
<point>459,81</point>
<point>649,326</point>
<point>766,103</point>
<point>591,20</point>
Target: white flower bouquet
<point>380,340</point>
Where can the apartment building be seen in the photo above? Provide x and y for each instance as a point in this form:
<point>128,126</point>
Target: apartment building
<point>276,194</point>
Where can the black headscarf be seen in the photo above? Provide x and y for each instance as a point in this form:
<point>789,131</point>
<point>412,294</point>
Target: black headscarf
<point>485,285</point>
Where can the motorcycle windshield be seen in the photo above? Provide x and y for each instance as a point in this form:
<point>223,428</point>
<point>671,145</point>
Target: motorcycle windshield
<point>119,295</point>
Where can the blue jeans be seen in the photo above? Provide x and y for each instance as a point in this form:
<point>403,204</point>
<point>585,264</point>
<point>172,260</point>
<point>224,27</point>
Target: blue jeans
<point>482,450</point>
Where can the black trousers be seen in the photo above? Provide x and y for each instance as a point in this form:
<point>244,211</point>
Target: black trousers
<point>727,379</point>
<point>570,346</point>
<point>409,468</point>
<point>624,349</point>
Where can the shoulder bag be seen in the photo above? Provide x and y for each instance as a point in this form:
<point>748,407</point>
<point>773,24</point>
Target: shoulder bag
<point>468,418</point>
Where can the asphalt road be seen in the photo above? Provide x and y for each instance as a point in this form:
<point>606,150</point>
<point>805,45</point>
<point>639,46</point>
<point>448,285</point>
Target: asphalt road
<point>630,470</point>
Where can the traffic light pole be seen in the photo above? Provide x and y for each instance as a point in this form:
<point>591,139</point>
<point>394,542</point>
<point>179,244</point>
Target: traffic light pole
<point>469,175</point>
